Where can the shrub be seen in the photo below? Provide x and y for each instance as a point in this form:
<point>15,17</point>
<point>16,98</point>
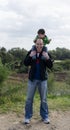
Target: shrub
<point>3,74</point>
<point>57,66</point>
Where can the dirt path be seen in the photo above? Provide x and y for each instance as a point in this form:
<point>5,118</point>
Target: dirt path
<point>59,121</point>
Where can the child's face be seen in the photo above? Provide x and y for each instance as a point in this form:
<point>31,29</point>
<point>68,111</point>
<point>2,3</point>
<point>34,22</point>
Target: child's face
<point>41,35</point>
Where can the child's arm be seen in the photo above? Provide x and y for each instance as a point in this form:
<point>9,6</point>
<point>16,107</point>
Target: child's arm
<point>50,40</point>
<point>46,40</point>
<point>33,48</point>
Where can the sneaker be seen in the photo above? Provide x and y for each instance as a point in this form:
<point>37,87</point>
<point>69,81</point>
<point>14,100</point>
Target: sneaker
<point>46,121</point>
<point>26,121</point>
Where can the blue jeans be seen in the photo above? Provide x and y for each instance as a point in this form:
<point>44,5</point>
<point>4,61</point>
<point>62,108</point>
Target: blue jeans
<point>42,88</point>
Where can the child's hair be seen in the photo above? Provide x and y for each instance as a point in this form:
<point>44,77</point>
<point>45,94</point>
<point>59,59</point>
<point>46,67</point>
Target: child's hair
<point>41,31</point>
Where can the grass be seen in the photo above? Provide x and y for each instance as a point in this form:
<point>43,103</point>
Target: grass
<point>60,88</point>
<point>59,102</point>
<point>13,96</point>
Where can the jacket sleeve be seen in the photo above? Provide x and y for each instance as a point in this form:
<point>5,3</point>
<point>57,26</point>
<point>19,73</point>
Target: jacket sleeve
<point>49,62</point>
<point>28,60</point>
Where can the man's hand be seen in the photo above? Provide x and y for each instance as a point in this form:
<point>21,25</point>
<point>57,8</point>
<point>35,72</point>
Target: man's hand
<point>32,53</point>
<point>45,54</point>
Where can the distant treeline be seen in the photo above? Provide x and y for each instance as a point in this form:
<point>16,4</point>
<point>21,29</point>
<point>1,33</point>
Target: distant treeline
<point>60,54</point>
<point>13,58</point>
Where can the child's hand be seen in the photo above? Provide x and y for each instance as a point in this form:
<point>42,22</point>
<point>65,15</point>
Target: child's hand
<point>50,40</point>
<point>45,54</point>
<point>32,53</point>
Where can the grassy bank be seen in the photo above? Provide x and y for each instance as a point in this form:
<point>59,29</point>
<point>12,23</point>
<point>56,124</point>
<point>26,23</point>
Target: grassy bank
<point>13,96</point>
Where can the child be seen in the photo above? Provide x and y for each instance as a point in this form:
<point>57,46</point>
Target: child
<point>41,34</point>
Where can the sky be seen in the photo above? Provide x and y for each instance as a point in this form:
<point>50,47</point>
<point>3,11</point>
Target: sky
<point>21,19</point>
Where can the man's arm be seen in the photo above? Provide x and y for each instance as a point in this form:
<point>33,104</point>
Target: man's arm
<point>48,60</point>
<point>49,63</point>
<point>28,59</point>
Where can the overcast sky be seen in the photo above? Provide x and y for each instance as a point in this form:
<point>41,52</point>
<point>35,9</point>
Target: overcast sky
<point>21,19</point>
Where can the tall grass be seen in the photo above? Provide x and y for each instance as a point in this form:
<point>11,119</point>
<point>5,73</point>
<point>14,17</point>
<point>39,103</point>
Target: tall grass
<point>13,96</point>
<point>3,75</point>
<point>57,87</point>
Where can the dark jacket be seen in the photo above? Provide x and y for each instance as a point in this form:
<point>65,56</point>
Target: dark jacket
<point>28,61</point>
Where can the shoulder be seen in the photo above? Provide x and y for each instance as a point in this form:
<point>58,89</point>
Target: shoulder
<point>29,52</point>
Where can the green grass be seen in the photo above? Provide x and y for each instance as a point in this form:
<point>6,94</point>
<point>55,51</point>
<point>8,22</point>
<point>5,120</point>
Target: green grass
<point>13,96</point>
<point>60,88</point>
<point>59,102</point>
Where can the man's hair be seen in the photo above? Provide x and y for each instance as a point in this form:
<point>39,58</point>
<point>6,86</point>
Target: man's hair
<point>39,39</point>
<point>41,31</point>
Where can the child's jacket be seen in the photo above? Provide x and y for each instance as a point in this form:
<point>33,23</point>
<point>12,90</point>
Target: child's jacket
<point>45,40</point>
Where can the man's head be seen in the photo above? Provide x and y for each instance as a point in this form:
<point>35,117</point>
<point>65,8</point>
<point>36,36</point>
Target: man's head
<point>39,45</point>
<point>41,33</point>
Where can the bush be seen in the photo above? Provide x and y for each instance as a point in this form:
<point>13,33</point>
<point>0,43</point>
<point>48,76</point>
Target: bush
<point>66,64</point>
<point>57,67</point>
<point>3,74</point>
<point>61,65</point>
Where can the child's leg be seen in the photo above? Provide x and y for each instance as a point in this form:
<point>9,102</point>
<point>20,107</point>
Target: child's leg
<point>46,50</point>
<point>33,48</point>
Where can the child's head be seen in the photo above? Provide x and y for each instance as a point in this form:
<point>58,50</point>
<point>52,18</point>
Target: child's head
<point>41,33</point>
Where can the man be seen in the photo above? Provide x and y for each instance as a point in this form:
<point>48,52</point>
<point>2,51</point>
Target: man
<point>37,78</point>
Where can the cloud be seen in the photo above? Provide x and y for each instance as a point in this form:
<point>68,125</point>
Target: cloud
<point>20,20</point>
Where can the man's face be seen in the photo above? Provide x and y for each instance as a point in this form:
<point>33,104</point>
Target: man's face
<point>39,45</point>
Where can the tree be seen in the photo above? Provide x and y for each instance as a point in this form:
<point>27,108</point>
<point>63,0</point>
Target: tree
<point>60,54</point>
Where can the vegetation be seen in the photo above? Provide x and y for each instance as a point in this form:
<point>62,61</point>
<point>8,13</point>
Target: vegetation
<point>60,54</point>
<point>13,92</point>
<point>14,58</point>
<point>3,75</point>
<point>13,96</point>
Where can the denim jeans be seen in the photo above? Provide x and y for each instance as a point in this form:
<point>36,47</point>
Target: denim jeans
<point>42,88</point>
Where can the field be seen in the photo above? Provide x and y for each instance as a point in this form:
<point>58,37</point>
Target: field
<point>13,94</point>
<point>12,102</point>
